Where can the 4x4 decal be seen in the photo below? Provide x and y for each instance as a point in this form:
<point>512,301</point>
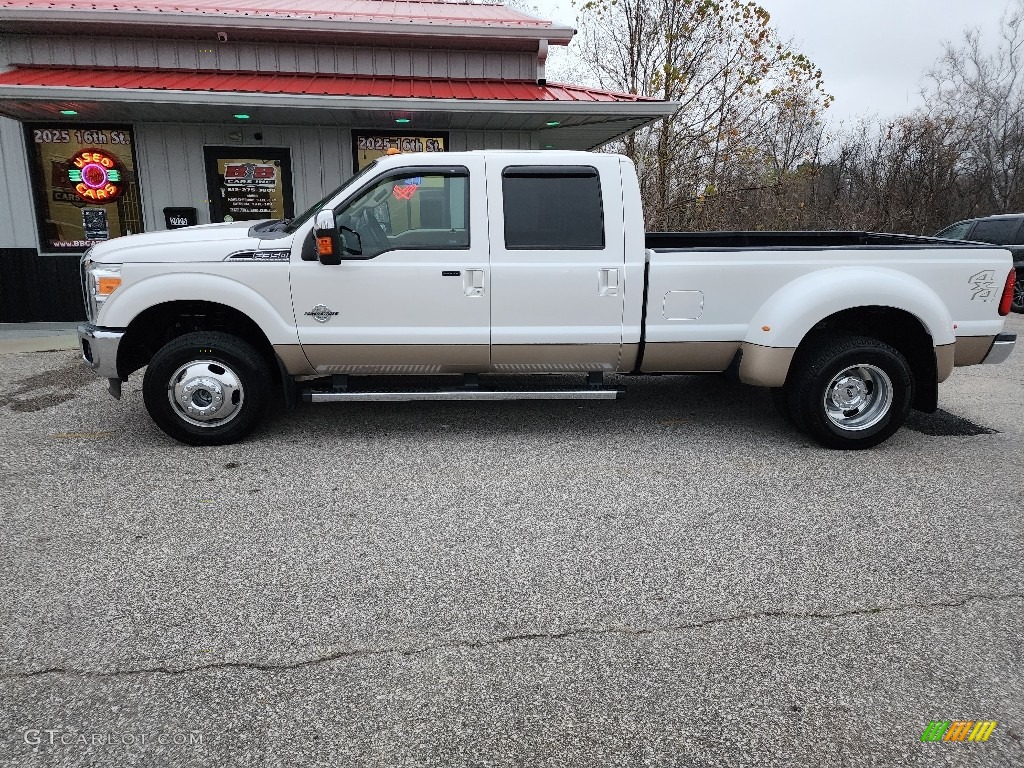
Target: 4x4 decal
<point>983,285</point>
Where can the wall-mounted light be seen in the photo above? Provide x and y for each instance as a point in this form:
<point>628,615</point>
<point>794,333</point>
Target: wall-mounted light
<point>402,120</point>
<point>69,112</point>
<point>241,117</point>
<point>553,123</point>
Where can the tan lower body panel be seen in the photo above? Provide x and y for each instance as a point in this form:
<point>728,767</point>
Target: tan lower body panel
<point>945,356</point>
<point>554,358</point>
<point>475,358</point>
<point>971,350</point>
<point>397,359</point>
<point>627,360</point>
<point>765,366</point>
<point>294,360</point>
<point>688,356</point>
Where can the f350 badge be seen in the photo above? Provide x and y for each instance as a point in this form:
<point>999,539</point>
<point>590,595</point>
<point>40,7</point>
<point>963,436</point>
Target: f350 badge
<point>321,313</point>
<point>983,285</point>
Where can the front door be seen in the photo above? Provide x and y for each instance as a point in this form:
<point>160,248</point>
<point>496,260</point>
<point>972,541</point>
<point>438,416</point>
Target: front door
<point>418,300</point>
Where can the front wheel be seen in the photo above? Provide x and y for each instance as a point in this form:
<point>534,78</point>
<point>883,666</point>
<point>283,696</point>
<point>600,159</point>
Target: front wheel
<point>206,388</point>
<point>850,392</point>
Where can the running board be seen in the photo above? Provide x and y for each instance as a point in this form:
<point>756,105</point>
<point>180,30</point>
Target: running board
<point>604,393</point>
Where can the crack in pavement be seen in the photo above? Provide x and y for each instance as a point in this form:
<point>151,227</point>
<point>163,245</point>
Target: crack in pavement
<point>506,639</point>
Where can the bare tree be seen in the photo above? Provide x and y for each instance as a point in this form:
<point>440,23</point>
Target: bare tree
<point>982,94</point>
<point>735,82</point>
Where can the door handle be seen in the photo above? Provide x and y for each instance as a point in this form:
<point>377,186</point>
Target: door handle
<point>473,282</point>
<point>608,282</point>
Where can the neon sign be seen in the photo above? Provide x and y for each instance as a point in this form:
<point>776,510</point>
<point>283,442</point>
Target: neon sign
<point>406,191</point>
<point>97,175</point>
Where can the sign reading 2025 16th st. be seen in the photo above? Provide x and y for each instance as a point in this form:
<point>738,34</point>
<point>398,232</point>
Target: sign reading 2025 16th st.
<point>83,184</point>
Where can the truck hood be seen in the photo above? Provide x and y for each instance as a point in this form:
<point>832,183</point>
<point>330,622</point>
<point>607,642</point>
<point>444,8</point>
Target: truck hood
<point>207,242</point>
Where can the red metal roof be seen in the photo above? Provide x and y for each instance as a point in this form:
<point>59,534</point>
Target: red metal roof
<point>401,11</point>
<point>220,81</point>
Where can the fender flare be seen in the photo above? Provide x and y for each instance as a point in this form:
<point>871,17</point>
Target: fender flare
<point>129,302</point>
<point>792,311</point>
<point>801,304</point>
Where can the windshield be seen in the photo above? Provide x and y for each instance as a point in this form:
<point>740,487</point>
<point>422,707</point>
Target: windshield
<point>297,222</point>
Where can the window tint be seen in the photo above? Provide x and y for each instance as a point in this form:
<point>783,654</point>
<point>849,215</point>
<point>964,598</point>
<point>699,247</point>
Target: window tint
<point>997,231</point>
<point>427,211</point>
<point>552,207</point>
<point>956,232</point>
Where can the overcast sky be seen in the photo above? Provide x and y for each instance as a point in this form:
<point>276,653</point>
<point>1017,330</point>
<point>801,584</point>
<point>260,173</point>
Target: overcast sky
<point>873,53</point>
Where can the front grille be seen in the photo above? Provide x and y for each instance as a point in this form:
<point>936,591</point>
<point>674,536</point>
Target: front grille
<point>85,283</point>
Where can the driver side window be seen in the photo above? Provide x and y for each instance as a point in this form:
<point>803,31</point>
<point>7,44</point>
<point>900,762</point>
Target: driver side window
<point>402,212</point>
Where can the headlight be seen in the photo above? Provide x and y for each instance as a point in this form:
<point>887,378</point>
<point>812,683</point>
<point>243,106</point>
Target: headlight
<point>101,280</point>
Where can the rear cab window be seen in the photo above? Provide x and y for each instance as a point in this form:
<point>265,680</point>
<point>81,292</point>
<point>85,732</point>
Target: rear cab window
<point>552,207</point>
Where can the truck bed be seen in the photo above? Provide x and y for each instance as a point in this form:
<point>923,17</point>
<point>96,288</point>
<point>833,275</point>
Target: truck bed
<point>681,241</point>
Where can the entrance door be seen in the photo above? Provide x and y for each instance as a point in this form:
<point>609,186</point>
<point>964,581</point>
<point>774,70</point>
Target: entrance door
<point>248,183</point>
<point>557,265</point>
<point>418,300</point>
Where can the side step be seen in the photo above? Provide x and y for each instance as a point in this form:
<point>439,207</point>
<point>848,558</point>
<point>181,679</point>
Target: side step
<point>604,393</point>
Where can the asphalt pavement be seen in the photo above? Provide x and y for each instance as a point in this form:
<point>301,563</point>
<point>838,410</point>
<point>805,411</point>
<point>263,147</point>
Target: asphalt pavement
<point>673,579</point>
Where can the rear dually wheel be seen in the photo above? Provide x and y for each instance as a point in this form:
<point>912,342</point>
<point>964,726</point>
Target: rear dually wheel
<point>850,392</point>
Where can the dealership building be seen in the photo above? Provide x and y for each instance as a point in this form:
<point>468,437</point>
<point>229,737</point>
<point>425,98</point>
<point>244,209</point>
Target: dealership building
<point>123,118</point>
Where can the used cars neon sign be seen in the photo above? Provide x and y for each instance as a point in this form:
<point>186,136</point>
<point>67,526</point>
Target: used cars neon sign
<point>97,176</point>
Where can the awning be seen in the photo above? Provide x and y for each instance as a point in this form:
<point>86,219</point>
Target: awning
<point>571,116</point>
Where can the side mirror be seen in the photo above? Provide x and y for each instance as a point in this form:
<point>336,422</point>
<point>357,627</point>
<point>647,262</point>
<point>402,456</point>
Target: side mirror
<point>328,243</point>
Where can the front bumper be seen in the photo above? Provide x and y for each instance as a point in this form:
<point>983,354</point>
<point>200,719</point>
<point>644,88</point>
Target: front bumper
<point>99,350</point>
<point>1001,348</point>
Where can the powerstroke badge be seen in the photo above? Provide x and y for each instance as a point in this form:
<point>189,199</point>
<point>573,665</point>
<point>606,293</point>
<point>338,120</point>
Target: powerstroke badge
<point>321,313</point>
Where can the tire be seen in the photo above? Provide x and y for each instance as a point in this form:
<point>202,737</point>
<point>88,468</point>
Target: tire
<point>206,388</point>
<point>1018,293</point>
<point>850,392</point>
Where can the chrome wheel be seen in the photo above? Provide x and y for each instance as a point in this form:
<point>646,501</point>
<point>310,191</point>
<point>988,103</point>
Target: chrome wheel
<point>205,393</point>
<point>858,397</point>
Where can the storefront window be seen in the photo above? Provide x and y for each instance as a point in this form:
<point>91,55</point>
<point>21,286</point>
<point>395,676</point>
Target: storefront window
<point>84,185</point>
<point>369,145</point>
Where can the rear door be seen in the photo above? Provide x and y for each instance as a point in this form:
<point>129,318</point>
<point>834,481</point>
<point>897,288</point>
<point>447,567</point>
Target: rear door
<point>557,261</point>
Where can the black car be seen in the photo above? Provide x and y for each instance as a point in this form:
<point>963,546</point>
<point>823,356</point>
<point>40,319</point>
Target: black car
<point>1006,230</point>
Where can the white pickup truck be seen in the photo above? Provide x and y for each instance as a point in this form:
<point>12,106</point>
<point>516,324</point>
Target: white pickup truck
<point>492,263</point>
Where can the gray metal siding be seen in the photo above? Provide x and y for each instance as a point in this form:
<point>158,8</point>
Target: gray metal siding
<point>172,172</point>
<point>462,141</point>
<point>266,57</point>
<point>17,217</point>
